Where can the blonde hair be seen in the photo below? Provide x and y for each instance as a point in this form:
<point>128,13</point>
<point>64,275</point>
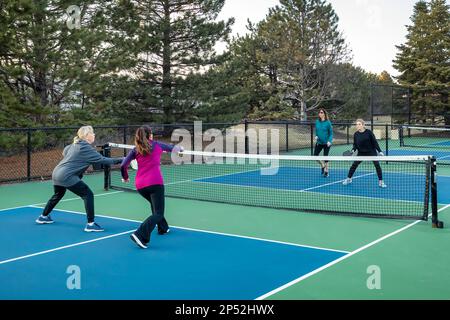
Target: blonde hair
<point>83,133</point>
<point>362,121</point>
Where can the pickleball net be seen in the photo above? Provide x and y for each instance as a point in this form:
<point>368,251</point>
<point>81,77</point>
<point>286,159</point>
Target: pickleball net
<point>296,182</point>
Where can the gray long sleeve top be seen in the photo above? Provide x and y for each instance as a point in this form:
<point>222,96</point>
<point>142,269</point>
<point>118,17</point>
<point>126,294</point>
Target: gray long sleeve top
<point>77,158</point>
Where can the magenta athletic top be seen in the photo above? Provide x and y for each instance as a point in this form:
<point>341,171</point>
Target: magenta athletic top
<point>149,170</point>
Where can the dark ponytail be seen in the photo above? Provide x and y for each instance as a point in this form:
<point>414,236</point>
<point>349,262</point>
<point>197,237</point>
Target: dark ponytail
<point>142,140</point>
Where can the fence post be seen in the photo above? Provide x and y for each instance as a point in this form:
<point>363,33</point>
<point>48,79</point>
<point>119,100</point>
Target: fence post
<point>400,136</point>
<point>246,136</point>
<point>287,136</point>
<point>193,140</point>
<point>28,155</point>
<point>387,139</point>
<point>107,168</point>
<point>312,137</point>
<point>371,106</point>
<point>348,134</point>
<point>125,139</point>
<point>409,104</point>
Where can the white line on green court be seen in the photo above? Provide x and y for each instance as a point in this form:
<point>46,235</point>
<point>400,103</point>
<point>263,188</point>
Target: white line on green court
<point>13,208</point>
<point>311,192</point>
<point>306,276</point>
<point>349,254</point>
<point>65,247</point>
<point>72,199</point>
<point>210,232</point>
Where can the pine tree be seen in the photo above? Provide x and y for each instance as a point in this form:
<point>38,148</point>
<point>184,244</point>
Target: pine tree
<point>350,92</point>
<point>438,77</point>
<point>295,47</point>
<point>423,59</point>
<point>52,59</point>
<point>177,38</point>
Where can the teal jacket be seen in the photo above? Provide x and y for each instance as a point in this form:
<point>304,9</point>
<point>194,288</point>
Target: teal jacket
<point>324,131</point>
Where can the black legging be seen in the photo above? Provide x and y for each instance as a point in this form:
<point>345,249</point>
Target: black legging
<point>155,195</point>
<point>80,189</point>
<point>318,148</point>
<point>357,163</point>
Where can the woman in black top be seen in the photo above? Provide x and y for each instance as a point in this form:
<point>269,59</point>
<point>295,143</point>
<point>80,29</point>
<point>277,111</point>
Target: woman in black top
<point>365,143</point>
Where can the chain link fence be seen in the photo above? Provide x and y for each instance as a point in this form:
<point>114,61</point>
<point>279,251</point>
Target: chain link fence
<point>32,153</point>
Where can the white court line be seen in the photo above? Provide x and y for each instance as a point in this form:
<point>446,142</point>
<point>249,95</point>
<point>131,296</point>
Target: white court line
<point>306,191</point>
<point>336,182</point>
<point>64,247</point>
<point>201,180</point>
<point>209,232</point>
<point>442,209</point>
<point>13,208</point>
<point>306,276</point>
<point>270,188</point>
<point>197,181</point>
<point>77,198</point>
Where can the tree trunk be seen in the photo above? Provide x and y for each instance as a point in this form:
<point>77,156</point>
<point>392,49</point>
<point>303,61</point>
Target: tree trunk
<point>446,112</point>
<point>40,70</point>
<point>303,114</point>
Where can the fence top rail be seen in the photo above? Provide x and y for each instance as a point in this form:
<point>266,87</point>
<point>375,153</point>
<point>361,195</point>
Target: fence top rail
<point>117,126</point>
<point>169,125</point>
<point>425,127</point>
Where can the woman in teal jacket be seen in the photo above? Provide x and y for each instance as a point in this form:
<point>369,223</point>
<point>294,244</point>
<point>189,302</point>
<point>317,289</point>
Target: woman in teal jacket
<point>324,139</point>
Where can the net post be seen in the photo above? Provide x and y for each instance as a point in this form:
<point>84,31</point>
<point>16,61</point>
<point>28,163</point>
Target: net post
<point>434,210</point>
<point>312,137</point>
<point>107,168</point>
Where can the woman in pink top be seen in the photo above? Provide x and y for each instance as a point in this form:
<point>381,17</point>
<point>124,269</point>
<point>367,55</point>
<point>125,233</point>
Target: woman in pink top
<point>149,181</point>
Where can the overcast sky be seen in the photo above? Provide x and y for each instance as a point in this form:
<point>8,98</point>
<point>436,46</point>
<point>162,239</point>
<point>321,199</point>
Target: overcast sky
<point>372,28</point>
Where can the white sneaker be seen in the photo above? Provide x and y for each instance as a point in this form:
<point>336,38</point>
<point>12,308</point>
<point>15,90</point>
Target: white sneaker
<point>381,184</point>
<point>347,181</point>
<point>138,241</point>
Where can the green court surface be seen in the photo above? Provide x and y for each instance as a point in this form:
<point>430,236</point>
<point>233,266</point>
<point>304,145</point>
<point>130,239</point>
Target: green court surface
<point>411,258</point>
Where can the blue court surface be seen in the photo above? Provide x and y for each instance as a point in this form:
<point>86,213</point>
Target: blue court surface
<point>440,155</point>
<point>184,264</point>
<point>365,183</point>
<point>442,143</point>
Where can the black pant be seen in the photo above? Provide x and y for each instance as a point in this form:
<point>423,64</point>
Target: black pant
<point>318,148</point>
<point>375,163</point>
<point>80,189</point>
<point>154,195</point>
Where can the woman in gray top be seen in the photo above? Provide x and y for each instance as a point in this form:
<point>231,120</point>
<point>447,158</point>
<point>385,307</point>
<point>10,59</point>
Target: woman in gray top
<point>68,173</point>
